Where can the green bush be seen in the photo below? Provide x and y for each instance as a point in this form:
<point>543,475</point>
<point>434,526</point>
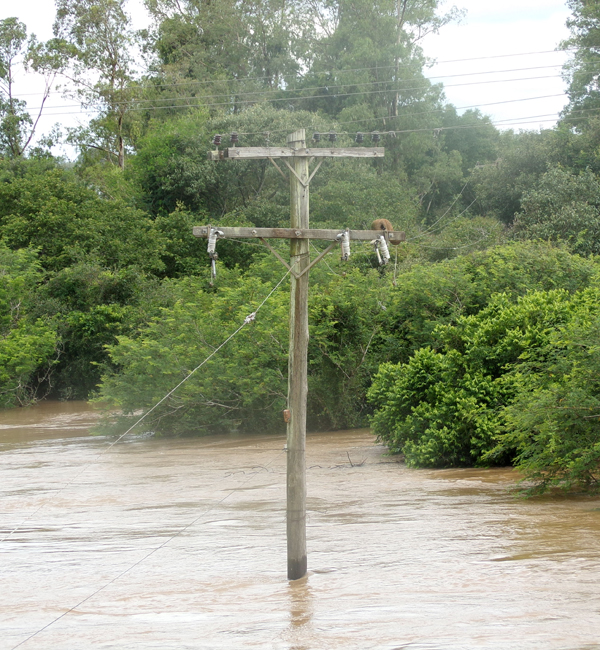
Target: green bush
<point>28,345</point>
<point>448,407</point>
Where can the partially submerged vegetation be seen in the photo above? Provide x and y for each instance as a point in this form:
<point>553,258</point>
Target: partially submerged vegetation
<point>476,345</point>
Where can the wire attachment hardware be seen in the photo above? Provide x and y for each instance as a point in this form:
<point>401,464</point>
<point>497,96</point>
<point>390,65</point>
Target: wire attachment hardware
<point>344,239</point>
<point>217,140</point>
<point>382,250</point>
<point>214,234</point>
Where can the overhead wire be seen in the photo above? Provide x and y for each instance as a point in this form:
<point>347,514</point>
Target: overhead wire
<point>346,70</point>
<point>302,89</point>
<point>237,100</point>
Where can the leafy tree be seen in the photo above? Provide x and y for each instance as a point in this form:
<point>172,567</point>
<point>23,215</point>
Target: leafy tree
<point>428,295</point>
<point>28,346</point>
<point>243,388</point>
<point>229,47</point>
<point>563,207</point>
<point>553,423</point>
<point>17,128</point>
<point>446,407</point>
<point>472,135</point>
<point>583,91</point>
<point>68,222</point>
<point>500,186</point>
<point>90,306</point>
<point>95,40</point>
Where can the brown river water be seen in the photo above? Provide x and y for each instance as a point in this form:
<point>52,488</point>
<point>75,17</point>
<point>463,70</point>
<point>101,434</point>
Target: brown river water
<point>180,543</point>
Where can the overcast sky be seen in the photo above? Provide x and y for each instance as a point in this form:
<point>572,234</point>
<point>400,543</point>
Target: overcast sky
<point>512,44</point>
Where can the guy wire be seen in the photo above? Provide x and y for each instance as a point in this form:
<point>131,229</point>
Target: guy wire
<point>157,548</point>
<point>212,354</point>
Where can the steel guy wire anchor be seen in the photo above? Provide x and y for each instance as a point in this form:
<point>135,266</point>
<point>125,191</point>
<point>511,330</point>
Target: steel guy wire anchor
<point>344,238</point>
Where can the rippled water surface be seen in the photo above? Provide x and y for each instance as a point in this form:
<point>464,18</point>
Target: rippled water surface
<point>181,544</point>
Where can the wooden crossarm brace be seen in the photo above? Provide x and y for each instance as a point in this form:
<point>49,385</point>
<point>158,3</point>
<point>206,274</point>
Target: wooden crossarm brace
<point>289,268</point>
<point>293,233</point>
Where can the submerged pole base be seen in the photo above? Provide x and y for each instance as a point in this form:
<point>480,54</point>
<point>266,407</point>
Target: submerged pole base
<point>297,568</point>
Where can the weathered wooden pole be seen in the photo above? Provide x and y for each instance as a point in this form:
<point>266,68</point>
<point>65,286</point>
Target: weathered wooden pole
<point>297,366</point>
<point>299,235</point>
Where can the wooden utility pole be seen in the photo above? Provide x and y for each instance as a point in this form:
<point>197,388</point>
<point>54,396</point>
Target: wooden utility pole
<point>297,366</point>
<point>299,235</point>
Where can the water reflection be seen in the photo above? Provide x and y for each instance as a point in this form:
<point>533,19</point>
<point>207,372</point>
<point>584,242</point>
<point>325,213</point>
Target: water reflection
<point>300,601</point>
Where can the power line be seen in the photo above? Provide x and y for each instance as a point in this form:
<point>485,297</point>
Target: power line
<point>348,70</point>
<point>191,84</point>
<point>237,100</point>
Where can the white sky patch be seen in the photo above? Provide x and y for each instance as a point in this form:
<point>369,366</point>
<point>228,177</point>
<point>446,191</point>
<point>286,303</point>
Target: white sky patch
<point>512,27</point>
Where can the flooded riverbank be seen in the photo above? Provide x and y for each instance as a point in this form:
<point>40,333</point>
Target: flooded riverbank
<point>181,544</point>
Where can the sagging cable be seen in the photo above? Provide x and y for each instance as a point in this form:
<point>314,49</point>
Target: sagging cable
<point>344,238</point>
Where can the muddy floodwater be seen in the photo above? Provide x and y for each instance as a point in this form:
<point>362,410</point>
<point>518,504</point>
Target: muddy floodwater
<point>180,544</point>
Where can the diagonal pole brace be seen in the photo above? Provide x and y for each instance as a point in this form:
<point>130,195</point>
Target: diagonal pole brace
<point>278,168</point>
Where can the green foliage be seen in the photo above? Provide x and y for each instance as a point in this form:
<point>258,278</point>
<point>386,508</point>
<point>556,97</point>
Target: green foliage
<point>94,43</point>
<point>68,222</point>
<point>472,135</point>
<point>171,166</point>
<point>584,96</point>
<point>428,295</point>
<point>27,345</point>
<point>523,159</point>
<point>245,387</point>
<point>553,422</point>
<point>15,121</point>
<point>563,207</point>
<point>446,408</point>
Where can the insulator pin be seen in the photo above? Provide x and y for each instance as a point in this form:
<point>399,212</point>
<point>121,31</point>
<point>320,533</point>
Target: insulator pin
<point>359,138</point>
<point>332,136</point>
<point>375,136</point>
<point>217,140</point>
<point>317,137</point>
<point>234,139</point>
